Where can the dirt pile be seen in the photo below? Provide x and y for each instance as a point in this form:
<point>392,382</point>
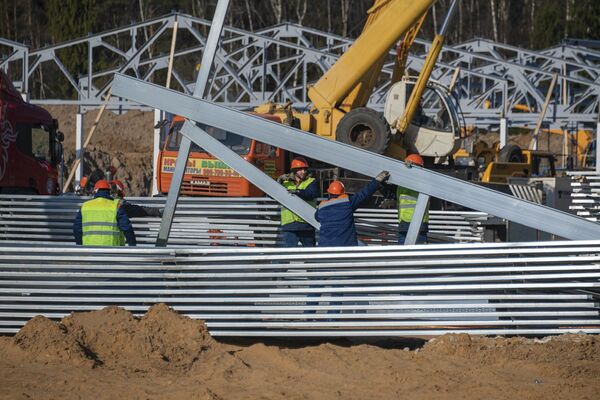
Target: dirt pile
<point>114,337</point>
<point>111,354</point>
<point>122,141</point>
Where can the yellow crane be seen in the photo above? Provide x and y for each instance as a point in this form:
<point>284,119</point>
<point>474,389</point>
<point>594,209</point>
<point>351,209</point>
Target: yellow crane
<point>339,98</point>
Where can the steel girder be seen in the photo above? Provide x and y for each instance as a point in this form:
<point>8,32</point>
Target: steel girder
<point>352,158</point>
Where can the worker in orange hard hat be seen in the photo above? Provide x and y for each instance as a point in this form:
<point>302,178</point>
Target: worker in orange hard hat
<point>301,184</point>
<point>102,221</point>
<point>117,191</point>
<point>336,215</point>
<point>407,200</point>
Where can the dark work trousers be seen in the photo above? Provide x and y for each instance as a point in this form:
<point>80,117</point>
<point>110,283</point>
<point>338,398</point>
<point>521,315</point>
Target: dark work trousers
<point>306,237</point>
<point>403,230</point>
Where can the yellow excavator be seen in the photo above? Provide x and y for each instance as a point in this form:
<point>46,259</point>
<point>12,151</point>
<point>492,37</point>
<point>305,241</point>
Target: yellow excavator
<point>339,99</point>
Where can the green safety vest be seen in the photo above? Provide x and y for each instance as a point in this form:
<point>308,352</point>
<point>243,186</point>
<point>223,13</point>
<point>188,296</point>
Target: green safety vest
<point>287,217</point>
<point>99,223</point>
<point>407,199</point>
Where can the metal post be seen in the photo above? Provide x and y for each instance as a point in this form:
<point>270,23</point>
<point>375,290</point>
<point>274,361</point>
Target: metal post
<point>417,219</point>
<point>448,18</point>
<point>79,145</point>
<point>503,132</point>
<point>158,116</point>
<point>210,49</point>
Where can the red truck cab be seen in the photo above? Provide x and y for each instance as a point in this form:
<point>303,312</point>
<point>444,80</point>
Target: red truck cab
<point>30,148</point>
<point>206,175</point>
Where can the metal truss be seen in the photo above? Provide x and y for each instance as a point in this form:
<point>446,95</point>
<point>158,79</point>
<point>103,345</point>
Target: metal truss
<point>278,64</point>
<point>14,59</point>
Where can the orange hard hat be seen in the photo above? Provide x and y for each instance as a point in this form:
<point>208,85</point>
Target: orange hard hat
<point>416,159</point>
<point>117,188</point>
<point>299,163</point>
<point>336,188</point>
<point>102,184</point>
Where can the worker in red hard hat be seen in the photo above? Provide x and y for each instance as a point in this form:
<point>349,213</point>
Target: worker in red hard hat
<point>298,182</point>
<point>117,191</point>
<point>336,214</point>
<point>407,200</point>
<point>102,221</point>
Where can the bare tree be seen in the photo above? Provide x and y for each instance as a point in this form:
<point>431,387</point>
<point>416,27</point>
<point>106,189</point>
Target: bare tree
<point>531,23</point>
<point>345,8</point>
<point>249,12</point>
<point>494,19</point>
<point>301,8</point>
<point>277,7</point>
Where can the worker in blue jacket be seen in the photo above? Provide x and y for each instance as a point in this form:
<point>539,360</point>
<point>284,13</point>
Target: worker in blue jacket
<point>336,215</point>
<point>102,221</point>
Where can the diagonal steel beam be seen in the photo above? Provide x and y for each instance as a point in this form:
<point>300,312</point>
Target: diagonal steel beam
<point>345,156</point>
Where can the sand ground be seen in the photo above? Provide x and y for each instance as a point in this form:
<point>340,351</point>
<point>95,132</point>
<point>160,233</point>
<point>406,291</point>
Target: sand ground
<point>110,354</point>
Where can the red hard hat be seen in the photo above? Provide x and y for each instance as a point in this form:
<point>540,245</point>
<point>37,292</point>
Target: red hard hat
<point>118,187</point>
<point>336,188</point>
<point>102,184</point>
<point>299,163</point>
<point>416,159</point>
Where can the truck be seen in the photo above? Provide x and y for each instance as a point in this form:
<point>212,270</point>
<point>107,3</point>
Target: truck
<point>31,151</point>
<point>206,175</point>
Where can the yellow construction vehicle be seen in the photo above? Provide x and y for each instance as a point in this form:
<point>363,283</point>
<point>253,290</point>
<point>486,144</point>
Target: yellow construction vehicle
<point>533,163</point>
<point>340,96</point>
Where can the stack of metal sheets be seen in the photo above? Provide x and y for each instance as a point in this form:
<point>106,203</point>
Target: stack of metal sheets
<point>213,221</point>
<point>520,288</point>
<point>585,195</point>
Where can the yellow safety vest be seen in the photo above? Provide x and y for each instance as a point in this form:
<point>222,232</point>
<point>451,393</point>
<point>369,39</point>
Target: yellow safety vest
<point>407,199</point>
<point>99,223</point>
<point>287,217</point>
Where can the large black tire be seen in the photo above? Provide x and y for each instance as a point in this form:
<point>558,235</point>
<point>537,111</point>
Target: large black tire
<point>511,153</point>
<point>364,128</point>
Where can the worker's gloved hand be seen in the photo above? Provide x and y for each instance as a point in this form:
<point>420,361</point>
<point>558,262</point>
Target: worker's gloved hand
<point>293,191</point>
<point>408,163</point>
<point>382,176</point>
<point>285,177</point>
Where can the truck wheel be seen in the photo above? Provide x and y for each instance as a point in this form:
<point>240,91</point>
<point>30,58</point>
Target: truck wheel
<point>364,128</point>
<point>511,153</point>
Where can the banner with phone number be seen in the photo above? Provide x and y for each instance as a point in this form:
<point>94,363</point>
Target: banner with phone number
<point>200,166</point>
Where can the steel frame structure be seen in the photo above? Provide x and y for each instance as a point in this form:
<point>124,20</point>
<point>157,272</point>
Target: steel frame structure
<point>14,58</point>
<point>279,62</point>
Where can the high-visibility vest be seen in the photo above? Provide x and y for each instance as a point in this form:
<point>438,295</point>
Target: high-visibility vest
<point>407,199</point>
<point>287,217</point>
<point>99,223</point>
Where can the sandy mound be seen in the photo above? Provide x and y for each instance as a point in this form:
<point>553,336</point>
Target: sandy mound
<point>113,336</point>
<point>47,341</point>
<point>163,355</point>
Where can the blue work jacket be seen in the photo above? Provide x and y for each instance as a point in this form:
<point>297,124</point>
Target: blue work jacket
<point>337,217</point>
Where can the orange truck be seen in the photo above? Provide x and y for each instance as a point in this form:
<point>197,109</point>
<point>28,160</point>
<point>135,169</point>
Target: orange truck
<point>206,175</point>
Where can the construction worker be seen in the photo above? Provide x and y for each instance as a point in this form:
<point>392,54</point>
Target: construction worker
<point>117,191</point>
<point>300,183</point>
<point>102,221</point>
<point>407,199</point>
<point>336,215</point>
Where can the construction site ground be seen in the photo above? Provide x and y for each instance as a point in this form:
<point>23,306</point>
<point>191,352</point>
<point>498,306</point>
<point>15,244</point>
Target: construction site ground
<point>109,354</point>
<point>125,142</point>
